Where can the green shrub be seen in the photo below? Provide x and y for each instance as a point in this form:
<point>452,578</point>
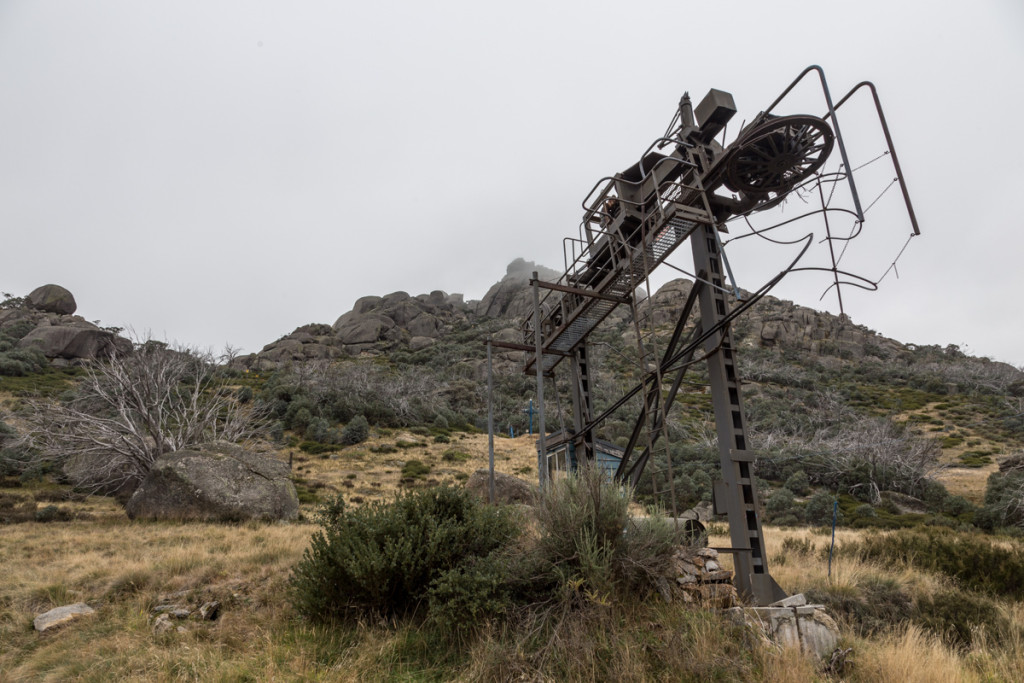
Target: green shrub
<point>299,419</point>
<point>1004,504</point>
<point>317,448</point>
<point>589,545</point>
<point>818,511</point>
<point>874,606</point>
<point>974,561</point>
<point>21,362</point>
<point>415,469</point>
<point>381,558</point>
<point>865,510</point>
<point>356,431</point>
<point>957,616</point>
<point>799,483</point>
<point>319,429</point>
<point>781,503</point>
<point>454,455</point>
<point>473,592</point>
<point>52,513</point>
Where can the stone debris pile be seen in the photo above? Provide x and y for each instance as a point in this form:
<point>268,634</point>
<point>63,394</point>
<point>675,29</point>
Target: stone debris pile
<point>171,608</point>
<point>701,578</point>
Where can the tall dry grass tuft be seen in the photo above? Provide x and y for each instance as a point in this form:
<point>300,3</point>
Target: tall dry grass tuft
<point>910,656</point>
<point>787,665</point>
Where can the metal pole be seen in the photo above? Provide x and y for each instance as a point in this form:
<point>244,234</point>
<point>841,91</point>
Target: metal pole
<point>539,364</point>
<point>835,507</point>
<point>490,423</point>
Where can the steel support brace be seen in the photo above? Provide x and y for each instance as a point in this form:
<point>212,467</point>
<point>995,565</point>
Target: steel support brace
<point>582,404</point>
<point>750,560</point>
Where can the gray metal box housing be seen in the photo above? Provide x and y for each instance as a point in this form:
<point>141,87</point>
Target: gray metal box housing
<point>716,108</point>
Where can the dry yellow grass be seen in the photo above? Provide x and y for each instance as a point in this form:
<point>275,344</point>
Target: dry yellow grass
<point>362,473</point>
<point>968,482</point>
<point>123,568</point>
<point>904,653</point>
<point>910,656</point>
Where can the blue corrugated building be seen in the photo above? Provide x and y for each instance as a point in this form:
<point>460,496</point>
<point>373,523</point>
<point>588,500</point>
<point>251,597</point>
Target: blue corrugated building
<point>561,455</point>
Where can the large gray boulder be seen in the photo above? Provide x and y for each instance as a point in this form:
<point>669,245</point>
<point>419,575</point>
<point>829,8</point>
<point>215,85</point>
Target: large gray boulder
<point>218,482</point>
<point>52,299</point>
<point>365,328</point>
<point>72,341</point>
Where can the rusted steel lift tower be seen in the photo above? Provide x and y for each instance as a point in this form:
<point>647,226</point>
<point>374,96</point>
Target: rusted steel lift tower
<point>687,185</point>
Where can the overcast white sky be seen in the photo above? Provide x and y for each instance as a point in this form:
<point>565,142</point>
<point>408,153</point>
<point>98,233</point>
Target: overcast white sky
<point>227,171</point>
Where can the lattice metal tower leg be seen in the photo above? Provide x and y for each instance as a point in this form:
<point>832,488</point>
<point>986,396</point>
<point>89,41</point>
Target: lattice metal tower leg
<point>582,405</point>
<point>739,490</point>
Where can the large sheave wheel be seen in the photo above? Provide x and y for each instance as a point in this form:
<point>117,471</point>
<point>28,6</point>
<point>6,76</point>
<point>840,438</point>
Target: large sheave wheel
<point>779,154</point>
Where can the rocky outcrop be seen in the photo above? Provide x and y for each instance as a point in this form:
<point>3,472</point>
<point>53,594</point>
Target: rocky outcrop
<point>512,297</point>
<point>383,322</point>
<point>46,323</point>
<point>375,323</point>
<point>219,482</point>
<point>74,340</point>
<point>378,324</point>
<point>309,342</point>
<point>777,323</point>
<point>507,489</point>
<point>52,299</point>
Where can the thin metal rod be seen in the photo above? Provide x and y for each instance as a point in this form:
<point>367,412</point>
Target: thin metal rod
<point>835,124</point>
<point>888,141</point>
<point>539,351</point>
<point>490,424</point>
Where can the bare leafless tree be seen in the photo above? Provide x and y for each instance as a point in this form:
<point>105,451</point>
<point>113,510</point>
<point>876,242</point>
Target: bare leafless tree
<point>131,409</point>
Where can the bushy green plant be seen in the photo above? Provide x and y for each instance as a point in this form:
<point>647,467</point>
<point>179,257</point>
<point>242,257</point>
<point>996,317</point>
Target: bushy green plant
<point>818,511</point>
<point>799,483</point>
<point>781,503</point>
<point>865,510</point>
<point>316,447</point>
<point>8,300</point>
<point>298,419</point>
<point>875,605</point>
<point>322,431</point>
<point>1004,501</point>
<point>472,592</point>
<point>382,558</point>
<point>589,545</point>
<point>21,362</point>
<point>415,469</point>
<point>356,431</point>
<point>455,455</point>
<point>958,616</point>
<point>976,562</point>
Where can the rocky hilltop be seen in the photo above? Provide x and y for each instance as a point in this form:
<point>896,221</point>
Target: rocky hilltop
<point>379,324</point>
<point>46,322</point>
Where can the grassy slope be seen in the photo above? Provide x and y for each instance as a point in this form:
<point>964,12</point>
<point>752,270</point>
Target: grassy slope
<point>123,568</point>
